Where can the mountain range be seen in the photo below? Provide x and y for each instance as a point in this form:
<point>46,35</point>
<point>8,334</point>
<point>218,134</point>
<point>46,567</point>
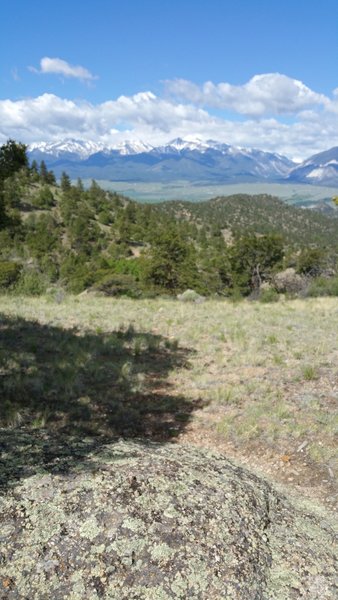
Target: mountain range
<point>191,160</point>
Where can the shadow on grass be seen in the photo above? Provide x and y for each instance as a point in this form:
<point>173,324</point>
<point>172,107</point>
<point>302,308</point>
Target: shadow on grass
<point>65,393</point>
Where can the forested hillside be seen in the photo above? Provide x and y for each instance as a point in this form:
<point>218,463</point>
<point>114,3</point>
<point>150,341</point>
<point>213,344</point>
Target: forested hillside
<point>65,236</point>
<point>258,214</point>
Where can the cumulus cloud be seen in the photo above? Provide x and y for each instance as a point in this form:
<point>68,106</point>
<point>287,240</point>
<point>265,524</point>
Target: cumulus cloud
<point>49,116</point>
<point>270,93</point>
<point>157,120</point>
<point>58,66</point>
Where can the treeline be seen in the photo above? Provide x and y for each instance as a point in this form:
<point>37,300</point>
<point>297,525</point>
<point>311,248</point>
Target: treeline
<point>56,236</point>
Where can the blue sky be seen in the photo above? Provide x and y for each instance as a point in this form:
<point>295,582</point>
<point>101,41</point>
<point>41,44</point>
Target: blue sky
<point>247,72</point>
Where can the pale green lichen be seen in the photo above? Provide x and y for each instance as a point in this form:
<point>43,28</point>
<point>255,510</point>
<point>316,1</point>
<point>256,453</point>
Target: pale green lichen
<point>89,529</point>
<point>133,524</point>
<point>161,552</point>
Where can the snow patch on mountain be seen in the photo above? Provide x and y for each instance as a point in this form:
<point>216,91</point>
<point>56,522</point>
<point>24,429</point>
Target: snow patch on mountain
<point>189,158</point>
<point>80,148</point>
<point>322,173</point>
<point>132,147</point>
<point>320,168</point>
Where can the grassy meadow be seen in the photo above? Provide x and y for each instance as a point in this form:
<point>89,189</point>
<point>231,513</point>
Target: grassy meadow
<point>255,381</point>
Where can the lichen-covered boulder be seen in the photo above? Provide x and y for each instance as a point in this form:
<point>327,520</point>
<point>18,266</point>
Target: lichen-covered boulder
<point>149,522</point>
<point>289,282</point>
<point>191,296</point>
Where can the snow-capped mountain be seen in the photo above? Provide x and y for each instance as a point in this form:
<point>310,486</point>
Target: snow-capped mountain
<point>189,159</point>
<point>131,147</point>
<point>78,149</point>
<point>180,145</point>
<point>319,169</point>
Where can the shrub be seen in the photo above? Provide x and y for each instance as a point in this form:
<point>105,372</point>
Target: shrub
<point>75,274</point>
<point>268,294</point>
<point>44,198</point>
<point>311,261</point>
<point>9,273</point>
<point>323,286</point>
<point>104,217</point>
<point>133,267</point>
<point>119,285</point>
<point>31,283</point>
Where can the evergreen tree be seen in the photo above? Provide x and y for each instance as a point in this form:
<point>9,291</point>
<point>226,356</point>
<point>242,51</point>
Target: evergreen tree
<point>65,182</point>
<point>79,185</point>
<point>34,171</point>
<point>252,258</point>
<point>50,179</point>
<point>13,157</point>
<point>43,171</point>
<point>172,265</point>
<point>34,167</point>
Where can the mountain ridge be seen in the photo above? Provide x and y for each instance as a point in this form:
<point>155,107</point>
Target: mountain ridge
<point>321,168</point>
<point>190,159</point>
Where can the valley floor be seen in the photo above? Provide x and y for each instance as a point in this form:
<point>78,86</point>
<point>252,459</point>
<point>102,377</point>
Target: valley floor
<point>257,382</point>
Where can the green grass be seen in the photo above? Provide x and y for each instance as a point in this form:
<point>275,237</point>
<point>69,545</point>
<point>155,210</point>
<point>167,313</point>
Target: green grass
<point>309,373</point>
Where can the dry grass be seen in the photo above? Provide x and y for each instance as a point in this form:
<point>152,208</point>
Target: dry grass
<point>268,373</point>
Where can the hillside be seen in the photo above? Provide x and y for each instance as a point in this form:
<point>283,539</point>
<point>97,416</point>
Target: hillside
<point>75,238</point>
<point>262,214</point>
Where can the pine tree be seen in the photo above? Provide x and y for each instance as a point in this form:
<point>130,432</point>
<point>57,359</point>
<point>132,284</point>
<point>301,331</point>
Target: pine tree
<point>13,157</point>
<point>65,182</point>
<point>43,171</point>
<point>172,266</point>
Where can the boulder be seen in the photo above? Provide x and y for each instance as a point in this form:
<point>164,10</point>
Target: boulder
<point>144,521</point>
<point>289,282</point>
<point>191,296</point>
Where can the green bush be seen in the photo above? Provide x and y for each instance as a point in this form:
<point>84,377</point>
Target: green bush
<point>9,273</point>
<point>132,267</point>
<point>31,283</point>
<point>268,294</point>
<point>311,261</point>
<point>323,286</point>
<point>104,217</point>
<point>49,266</point>
<point>45,198</point>
<point>119,285</point>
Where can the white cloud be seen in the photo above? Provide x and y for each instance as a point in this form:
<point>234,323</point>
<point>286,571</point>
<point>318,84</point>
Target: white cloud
<point>156,120</point>
<point>270,93</point>
<point>58,66</point>
<point>51,117</point>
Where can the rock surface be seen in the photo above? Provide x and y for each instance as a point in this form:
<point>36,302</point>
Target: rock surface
<point>191,296</point>
<point>154,522</point>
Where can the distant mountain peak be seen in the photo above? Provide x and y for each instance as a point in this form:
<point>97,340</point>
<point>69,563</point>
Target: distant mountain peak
<point>320,169</point>
<point>79,148</point>
<point>189,158</point>
<point>132,147</point>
